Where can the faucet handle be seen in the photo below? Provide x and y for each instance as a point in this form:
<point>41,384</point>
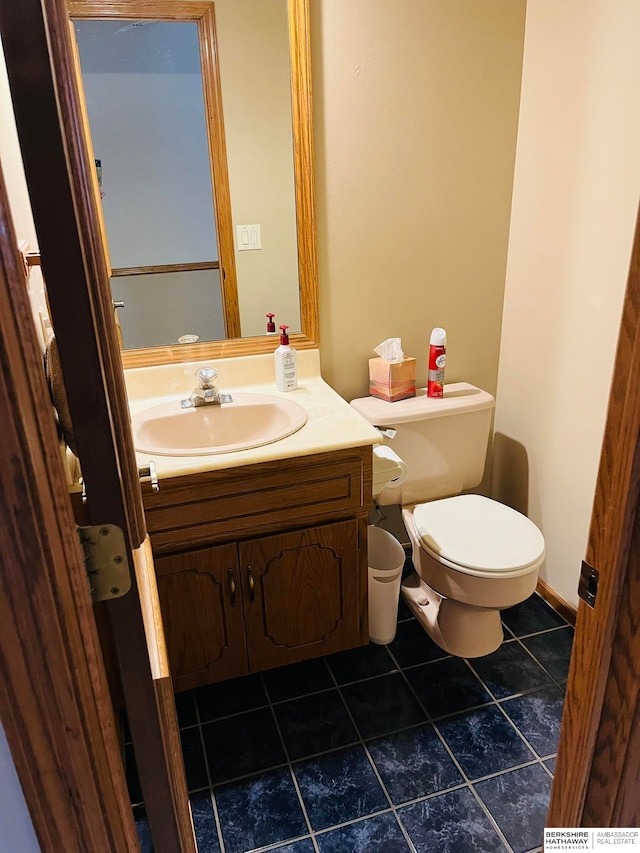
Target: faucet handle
<point>206,376</point>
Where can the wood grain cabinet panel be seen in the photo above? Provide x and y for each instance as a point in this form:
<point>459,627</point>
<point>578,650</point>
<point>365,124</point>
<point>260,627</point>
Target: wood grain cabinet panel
<point>202,615</point>
<point>301,594</point>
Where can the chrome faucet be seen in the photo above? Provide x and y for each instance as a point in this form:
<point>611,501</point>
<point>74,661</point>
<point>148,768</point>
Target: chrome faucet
<point>206,393</point>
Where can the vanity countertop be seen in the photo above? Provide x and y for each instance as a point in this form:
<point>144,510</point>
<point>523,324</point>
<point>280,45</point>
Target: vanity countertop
<point>332,423</point>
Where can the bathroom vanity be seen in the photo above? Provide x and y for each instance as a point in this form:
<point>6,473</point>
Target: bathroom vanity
<point>261,565</point>
<point>260,555</point>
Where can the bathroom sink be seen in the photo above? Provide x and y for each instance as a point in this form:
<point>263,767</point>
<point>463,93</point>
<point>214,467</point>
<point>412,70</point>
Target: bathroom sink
<point>251,420</point>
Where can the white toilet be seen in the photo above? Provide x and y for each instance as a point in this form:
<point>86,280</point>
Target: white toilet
<point>473,556</point>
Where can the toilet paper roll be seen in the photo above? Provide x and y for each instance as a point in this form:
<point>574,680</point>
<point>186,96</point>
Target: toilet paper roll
<point>388,468</point>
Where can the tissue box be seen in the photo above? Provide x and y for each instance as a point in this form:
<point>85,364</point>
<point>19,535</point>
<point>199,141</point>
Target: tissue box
<point>392,380</point>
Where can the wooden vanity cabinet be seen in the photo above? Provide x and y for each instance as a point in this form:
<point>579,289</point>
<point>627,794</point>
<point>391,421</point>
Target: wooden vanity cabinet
<point>262,565</point>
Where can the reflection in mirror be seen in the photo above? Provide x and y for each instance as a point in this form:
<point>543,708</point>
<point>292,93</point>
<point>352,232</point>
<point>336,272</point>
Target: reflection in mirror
<point>143,88</point>
<point>153,141</point>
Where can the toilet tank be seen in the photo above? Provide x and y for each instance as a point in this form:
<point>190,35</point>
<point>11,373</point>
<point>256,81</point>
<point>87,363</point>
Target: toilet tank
<point>442,441</point>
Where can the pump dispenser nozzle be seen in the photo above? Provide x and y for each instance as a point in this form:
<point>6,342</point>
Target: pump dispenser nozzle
<point>284,337</point>
<point>271,326</point>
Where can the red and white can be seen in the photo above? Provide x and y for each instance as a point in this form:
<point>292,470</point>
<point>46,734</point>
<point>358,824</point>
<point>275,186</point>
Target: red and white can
<point>437,360</point>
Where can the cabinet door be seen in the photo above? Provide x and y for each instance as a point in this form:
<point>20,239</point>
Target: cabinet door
<point>303,594</point>
<point>202,615</point>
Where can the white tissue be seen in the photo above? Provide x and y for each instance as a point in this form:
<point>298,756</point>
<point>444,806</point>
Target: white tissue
<point>390,350</point>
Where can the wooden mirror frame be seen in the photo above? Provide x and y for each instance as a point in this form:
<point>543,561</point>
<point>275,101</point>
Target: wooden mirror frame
<point>200,11</point>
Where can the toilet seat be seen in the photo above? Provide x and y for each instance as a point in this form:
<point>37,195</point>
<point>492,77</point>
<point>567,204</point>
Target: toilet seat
<point>478,536</point>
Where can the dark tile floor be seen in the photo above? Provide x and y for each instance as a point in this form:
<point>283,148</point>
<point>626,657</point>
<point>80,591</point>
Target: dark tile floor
<point>382,749</point>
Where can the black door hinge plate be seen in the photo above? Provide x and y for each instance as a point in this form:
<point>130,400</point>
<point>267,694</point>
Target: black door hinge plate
<point>588,586</point>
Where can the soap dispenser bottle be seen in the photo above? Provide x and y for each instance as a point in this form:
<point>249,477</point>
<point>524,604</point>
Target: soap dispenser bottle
<point>285,358</point>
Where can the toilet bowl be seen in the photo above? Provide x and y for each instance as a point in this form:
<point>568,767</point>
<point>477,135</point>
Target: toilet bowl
<point>472,555</point>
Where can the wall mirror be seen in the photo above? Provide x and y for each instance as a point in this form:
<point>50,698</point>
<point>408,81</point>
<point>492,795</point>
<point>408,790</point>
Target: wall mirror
<point>199,118</point>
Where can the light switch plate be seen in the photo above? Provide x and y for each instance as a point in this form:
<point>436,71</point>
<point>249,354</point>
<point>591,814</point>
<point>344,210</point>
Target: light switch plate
<point>249,238</point>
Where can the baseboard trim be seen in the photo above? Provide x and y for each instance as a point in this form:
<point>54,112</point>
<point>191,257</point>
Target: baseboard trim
<point>551,597</point>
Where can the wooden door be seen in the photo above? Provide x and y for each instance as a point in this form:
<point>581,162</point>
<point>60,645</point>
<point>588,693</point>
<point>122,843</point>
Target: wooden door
<point>302,594</point>
<point>597,781</point>
<point>202,615</point>
<point>61,184</point>
<point>54,699</point>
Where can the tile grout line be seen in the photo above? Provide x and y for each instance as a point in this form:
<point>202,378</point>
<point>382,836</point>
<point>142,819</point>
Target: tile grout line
<point>216,814</point>
<point>543,762</point>
<point>541,631</point>
<point>555,680</point>
<point>277,845</point>
<point>232,780</point>
<point>486,777</point>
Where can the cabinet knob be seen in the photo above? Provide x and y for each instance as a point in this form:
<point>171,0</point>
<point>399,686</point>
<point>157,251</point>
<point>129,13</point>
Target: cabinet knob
<point>252,585</point>
<point>232,587</point>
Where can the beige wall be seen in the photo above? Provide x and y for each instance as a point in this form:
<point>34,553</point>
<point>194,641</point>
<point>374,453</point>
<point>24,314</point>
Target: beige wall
<point>576,189</point>
<point>415,118</point>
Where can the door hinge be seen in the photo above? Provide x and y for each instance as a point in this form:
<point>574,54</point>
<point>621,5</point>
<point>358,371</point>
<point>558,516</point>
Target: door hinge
<point>588,586</point>
<point>105,558</point>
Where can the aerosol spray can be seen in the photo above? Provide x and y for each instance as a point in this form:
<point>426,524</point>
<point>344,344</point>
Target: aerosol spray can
<point>437,359</point>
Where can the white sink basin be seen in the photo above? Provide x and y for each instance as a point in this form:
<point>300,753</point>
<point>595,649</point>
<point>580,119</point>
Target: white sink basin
<point>251,420</point>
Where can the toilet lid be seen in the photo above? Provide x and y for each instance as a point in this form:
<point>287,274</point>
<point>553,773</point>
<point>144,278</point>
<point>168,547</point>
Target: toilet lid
<point>478,534</point>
